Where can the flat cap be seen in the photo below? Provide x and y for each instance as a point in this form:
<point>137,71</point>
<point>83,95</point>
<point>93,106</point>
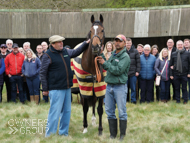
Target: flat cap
<point>55,38</point>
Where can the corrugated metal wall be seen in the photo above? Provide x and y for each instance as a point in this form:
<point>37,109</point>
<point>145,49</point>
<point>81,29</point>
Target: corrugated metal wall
<point>137,23</point>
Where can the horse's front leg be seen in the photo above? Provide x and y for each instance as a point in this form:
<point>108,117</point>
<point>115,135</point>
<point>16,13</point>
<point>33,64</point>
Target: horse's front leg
<point>100,113</point>
<point>85,111</point>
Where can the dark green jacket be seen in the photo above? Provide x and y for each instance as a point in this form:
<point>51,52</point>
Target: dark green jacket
<point>117,67</point>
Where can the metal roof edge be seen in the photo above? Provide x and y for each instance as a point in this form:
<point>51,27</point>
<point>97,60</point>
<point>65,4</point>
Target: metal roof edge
<point>136,8</point>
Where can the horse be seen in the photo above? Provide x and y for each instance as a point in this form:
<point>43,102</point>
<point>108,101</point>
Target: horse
<point>85,71</point>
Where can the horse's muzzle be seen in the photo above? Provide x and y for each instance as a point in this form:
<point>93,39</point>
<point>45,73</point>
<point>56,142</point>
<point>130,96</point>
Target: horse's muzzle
<point>95,49</point>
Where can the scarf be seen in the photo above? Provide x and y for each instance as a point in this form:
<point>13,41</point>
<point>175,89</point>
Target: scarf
<point>179,63</point>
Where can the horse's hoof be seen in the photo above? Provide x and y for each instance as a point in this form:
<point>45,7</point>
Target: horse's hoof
<point>100,133</point>
<point>93,121</point>
<point>85,131</point>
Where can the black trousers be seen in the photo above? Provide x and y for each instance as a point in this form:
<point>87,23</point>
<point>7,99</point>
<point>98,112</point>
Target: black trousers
<point>173,87</point>
<point>146,90</point>
<point>180,80</point>
<point>8,88</point>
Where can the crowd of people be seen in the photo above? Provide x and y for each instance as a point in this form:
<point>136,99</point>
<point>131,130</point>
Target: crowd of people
<point>20,67</point>
<point>172,64</point>
<point>19,70</point>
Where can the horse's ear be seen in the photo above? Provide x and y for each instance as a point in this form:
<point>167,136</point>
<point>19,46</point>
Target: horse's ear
<point>92,19</point>
<point>101,18</point>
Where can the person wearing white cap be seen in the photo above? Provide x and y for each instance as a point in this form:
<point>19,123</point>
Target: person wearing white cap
<point>56,77</point>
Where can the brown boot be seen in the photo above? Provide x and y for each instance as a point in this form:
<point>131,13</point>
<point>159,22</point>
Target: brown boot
<point>36,99</point>
<point>32,98</point>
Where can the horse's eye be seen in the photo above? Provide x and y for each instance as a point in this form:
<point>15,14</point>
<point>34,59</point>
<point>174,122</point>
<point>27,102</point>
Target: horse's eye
<point>102,30</point>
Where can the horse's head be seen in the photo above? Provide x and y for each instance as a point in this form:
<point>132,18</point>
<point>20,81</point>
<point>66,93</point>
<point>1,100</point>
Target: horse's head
<point>96,35</point>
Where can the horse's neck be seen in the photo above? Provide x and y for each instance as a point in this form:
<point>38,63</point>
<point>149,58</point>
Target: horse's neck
<point>87,62</point>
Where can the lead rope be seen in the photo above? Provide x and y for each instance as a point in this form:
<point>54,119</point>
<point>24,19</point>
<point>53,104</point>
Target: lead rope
<point>98,73</point>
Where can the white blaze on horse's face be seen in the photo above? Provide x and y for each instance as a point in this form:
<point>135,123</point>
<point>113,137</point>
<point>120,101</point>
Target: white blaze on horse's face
<point>95,28</point>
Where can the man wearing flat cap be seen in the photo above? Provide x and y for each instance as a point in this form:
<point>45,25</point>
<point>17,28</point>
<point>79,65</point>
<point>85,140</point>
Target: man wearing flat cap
<point>117,67</point>
<point>13,68</point>
<point>56,77</point>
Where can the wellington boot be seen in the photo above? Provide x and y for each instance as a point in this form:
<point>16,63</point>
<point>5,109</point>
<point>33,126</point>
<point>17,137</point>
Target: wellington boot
<point>112,128</point>
<point>32,99</point>
<point>123,127</point>
<point>36,99</point>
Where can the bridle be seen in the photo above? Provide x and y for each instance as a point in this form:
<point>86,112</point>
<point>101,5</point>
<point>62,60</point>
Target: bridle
<point>97,48</point>
<point>96,51</point>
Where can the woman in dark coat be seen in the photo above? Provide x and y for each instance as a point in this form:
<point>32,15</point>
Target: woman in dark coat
<point>162,69</point>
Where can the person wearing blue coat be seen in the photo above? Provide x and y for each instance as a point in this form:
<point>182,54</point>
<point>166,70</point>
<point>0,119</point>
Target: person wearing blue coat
<point>31,69</point>
<point>162,69</point>
<point>2,69</point>
<point>147,74</point>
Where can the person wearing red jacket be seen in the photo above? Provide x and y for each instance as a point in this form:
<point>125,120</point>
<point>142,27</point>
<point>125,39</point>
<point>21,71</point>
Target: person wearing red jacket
<point>13,68</point>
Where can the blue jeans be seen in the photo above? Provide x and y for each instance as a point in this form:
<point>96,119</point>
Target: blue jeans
<point>60,106</point>
<point>180,80</point>
<point>116,94</point>
<point>33,85</point>
<point>165,90</point>
<point>16,79</point>
<point>26,91</point>
<point>132,85</point>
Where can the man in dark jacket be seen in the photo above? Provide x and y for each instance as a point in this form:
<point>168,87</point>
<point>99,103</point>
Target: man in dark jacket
<point>134,69</point>
<point>180,70</point>
<point>187,47</point>
<point>171,49</point>
<point>3,54</point>
<point>140,50</point>
<point>186,44</point>
<point>44,46</point>
<point>56,77</point>
<point>39,54</point>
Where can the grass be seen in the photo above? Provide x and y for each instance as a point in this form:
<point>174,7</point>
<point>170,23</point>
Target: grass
<point>147,123</point>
